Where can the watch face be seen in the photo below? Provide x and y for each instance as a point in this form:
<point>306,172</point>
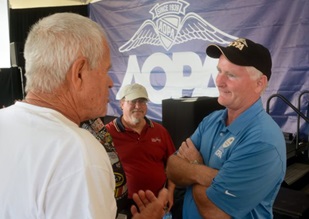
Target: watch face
<point>194,162</point>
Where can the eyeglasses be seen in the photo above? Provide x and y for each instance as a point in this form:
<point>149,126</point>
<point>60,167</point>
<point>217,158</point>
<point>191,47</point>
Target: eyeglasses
<point>141,101</point>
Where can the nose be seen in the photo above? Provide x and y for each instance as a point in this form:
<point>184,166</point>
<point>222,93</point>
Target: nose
<point>220,80</point>
<point>138,104</point>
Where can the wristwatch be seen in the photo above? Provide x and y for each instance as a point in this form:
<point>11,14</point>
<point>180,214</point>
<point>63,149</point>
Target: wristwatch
<point>194,162</point>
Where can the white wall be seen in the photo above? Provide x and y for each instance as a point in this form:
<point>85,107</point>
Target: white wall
<point>15,4</point>
<point>4,36</point>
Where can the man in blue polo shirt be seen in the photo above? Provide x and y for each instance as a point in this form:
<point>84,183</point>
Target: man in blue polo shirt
<point>235,161</point>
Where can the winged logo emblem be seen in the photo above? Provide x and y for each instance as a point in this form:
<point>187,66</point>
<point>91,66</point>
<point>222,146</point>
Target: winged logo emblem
<point>170,25</point>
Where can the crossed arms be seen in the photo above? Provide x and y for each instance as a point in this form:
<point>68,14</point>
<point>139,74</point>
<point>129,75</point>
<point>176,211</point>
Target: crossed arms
<point>187,168</point>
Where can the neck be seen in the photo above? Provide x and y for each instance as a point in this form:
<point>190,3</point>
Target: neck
<point>232,114</point>
<point>52,101</point>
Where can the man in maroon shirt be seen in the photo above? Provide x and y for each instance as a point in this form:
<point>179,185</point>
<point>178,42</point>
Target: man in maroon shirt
<point>143,146</point>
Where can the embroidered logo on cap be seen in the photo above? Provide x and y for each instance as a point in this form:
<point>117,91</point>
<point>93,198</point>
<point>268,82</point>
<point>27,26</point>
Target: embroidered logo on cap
<point>239,43</point>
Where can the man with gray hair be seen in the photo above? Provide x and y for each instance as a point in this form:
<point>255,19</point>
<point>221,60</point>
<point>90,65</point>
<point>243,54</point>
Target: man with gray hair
<point>49,166</point>
<point>233,164</point>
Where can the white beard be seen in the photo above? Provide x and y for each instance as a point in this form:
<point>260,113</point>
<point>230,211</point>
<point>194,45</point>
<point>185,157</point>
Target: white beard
<point>135,120</point>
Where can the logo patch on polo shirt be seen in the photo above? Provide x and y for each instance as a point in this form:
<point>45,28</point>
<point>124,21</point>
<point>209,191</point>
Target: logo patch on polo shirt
<point>157,139</point>
<point>226,144</point>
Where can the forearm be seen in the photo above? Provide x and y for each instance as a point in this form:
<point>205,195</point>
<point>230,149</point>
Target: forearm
<point>171,188</point>
<point>183,173</point>
<point>206,208</point>
<point>177,171</point>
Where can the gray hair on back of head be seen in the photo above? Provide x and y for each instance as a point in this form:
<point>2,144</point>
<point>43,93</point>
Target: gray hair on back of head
<point>54,43</point>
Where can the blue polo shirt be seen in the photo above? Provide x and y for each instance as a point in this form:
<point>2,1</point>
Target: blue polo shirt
<point>250,155</point>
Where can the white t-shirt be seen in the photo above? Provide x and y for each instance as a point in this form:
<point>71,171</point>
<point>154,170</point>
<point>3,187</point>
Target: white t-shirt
<point>51,168</point>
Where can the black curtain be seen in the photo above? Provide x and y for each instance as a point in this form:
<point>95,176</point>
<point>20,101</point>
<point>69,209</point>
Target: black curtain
<point>11,86</point>
<point>21,21</point>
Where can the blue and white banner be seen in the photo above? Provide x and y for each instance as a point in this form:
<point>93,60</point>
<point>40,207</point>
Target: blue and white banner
<point>161,45</point>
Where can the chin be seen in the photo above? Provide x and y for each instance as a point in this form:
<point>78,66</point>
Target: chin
<point>221,101</point>
<point>135,120</point>
<point>100,113</point>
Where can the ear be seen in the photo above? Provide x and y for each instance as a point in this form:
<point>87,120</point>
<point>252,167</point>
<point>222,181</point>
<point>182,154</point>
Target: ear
<point>121,104</point>
<point>261,83</point>
<point>78,68</point>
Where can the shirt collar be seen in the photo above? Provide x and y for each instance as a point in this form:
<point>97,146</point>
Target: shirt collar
<point>245,118</point>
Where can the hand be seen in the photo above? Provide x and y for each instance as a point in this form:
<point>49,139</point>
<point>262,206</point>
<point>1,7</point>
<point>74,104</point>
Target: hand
<point>149,205</point>
<point>188,151</point>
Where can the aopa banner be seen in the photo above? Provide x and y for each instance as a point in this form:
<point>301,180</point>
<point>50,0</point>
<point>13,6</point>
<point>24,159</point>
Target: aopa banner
<point>161,45</point>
